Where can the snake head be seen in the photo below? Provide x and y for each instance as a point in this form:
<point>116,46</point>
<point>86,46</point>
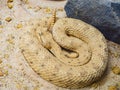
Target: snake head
<point>44,37</point>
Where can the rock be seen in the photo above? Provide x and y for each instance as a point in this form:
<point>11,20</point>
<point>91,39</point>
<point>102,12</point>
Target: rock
<point>116,70</point>
<point>112,88</point>
<point>103,14</point>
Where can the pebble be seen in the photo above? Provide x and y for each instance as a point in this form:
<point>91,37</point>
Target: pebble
<point>8,19</point>
<point>47,10</point>
<point>116,70</point>
<point>10,5</point>
<point>112,88</point>
<point>10,1</point>
<point>1,26</point>
<point>0,61</point>
<point>6,56</point>
<point>1,73</point>
<point>10,41</point>
<point>19,26</point>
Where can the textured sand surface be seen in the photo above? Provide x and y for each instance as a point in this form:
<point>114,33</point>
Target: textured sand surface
<point>15,73</point>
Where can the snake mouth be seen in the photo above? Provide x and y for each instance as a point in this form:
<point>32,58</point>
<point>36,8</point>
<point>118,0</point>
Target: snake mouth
<point>51,53</point>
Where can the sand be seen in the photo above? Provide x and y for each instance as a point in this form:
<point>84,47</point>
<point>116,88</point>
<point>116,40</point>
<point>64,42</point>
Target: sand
<point>15,73</point>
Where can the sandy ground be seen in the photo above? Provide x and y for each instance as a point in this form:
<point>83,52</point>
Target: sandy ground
<point>15,73</point>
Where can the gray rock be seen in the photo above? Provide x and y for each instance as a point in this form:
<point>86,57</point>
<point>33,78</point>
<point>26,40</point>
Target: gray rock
<point>103,14</point>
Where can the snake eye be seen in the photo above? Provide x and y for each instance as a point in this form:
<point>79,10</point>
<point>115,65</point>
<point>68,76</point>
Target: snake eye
<point>40,33</point>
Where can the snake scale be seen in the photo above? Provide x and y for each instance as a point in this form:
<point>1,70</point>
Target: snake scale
<point>67,52</point>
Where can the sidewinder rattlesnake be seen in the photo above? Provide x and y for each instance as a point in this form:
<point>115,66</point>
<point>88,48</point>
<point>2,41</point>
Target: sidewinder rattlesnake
<point>67,52</point>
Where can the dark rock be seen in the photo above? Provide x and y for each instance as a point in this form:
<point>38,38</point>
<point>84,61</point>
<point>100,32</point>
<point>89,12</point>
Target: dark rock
<point>103,14</point>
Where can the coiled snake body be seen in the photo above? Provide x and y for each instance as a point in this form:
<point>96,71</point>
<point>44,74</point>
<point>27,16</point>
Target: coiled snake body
<point>71,54</point>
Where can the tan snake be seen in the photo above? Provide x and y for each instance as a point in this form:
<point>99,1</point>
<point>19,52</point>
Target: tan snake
<point>68,53</point>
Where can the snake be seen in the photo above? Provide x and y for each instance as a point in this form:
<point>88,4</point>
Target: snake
<point>66,52</point>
